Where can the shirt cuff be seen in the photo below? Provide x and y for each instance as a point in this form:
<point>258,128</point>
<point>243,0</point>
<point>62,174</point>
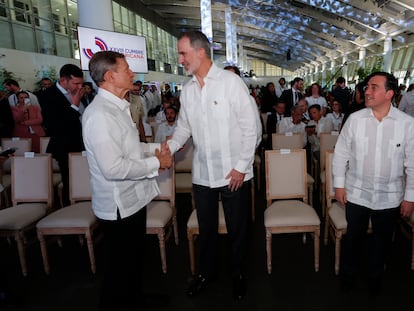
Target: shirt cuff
<point>409,195</point>
<point>339,182</point>
<point>75,107</point>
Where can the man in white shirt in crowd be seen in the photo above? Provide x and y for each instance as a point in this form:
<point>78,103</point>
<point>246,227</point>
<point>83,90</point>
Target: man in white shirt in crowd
<point>217,111</point>
<point>165,129</point>
<point>407,103</point>
<point>122,178</point>
<point>373,170</point>
<point>13,87</point>
<point>317,125</point>
<point>294,124</point>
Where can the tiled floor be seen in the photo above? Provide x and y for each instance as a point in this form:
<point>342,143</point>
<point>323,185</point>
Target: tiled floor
<point>293,285</point>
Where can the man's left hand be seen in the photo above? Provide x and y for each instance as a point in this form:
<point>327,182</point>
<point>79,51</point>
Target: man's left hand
<point>236,179</point>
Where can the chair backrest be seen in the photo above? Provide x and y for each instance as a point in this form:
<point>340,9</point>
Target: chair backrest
<point>330,192</point>
<point>327,142</point>
<point>79,178</point>
<point>287,141</point>
<point>31,179</point>
<point>184,158</point>
<point>166,183</point>
<point>22,144</point>
<point>286,175</point>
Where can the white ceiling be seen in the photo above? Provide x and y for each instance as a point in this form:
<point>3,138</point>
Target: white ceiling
<point>315,31</point>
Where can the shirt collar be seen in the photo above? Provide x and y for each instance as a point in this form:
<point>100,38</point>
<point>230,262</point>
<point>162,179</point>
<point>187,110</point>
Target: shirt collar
<point>122,104</point>
<point>213,73</point>
<point>64,92</point>
<point>391,114</point>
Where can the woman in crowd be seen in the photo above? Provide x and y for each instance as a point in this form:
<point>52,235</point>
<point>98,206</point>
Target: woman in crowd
<point>28,120</point>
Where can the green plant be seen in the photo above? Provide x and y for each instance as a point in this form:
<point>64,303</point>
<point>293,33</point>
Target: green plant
<point>5,74</point>
<point>365,72</point>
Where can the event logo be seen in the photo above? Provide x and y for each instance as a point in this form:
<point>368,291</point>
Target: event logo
<point>100,44</point>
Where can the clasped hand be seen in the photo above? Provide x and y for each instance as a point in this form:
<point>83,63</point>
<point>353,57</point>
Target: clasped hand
<point>164,156</point>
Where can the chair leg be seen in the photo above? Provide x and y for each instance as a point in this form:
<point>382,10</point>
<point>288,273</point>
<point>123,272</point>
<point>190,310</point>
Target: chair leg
<point>161,240</point>
<point>175,228</point>
<point>338,237</point>
<point>316,240</point>
<point>326,229</point>
<point>43,249</point>
<point>269,251</point>
<point>323,192</point>
<point>21,251</point>
<point>89,243</point>
<point>190,237</point>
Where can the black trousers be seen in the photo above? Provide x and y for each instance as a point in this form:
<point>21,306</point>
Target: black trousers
<point>236,210</point>
<point>383,225</point>
<point>63,162</point>
<point>124,241</point>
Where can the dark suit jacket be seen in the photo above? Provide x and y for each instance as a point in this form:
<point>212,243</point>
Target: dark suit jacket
<point>287,97</point>
<point>62,124</point>
<point>271,128</point>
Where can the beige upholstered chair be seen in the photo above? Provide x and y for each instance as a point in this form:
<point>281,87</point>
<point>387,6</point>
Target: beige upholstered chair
<point>161,213</point>
<point>292,141</point>
<point>56,177</point>
<point>31,193</point>
<point>286,182</point>
<point>75,219</point>
<point>193,231</point>
<point>183,160</point>
<point>23,145</point>
<point>327,142</point>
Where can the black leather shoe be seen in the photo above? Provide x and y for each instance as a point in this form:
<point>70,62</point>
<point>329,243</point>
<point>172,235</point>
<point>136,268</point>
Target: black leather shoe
<point>197,285</point>
<point>347,283</point>
<point>239,288</point>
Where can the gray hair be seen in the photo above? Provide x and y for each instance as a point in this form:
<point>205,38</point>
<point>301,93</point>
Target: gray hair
<point>101,62</point>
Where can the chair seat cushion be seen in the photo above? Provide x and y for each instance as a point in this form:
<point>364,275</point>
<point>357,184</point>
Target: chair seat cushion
<point>287,213</point>
<point>21,216</point>
<point>183,182</point>
<point>337,215</point>
<point>159,214</point>
<point>193,221</point>
<point>73,216</point>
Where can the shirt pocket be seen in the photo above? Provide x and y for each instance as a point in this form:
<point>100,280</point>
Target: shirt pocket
<point>395,149</point>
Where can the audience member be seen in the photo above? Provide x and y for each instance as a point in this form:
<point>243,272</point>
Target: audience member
<point>62,120</point>
<point>219,113</point>
<point>374,178</point>
<point>358,101</point>
<point>342,93</point>
<point>268,98</point>
<point>281,87</point>
<point>165,129</point>
<point>316,97</point>
<point>12,86</point>
<point>137,109</point>
<point>317,125</point>
<point>336,116</point>
<point>122,181</point>
<point>407,103</point>
<point>27,120</point>
<point>273,121</point>
<point>292,96</point>
<point>294,124</point>
<point>45,83</point>
<point>303,105</point>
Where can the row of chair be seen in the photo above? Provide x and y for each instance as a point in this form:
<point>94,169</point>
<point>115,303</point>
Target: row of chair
<point>31,181</point>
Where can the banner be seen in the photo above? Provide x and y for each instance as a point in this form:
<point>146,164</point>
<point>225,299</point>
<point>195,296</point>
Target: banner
<point>133,47</point>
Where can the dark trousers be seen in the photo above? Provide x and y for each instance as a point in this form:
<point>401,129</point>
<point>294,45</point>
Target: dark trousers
<point>236,210</point>
<point>124,241</point>
<point>383,225</point>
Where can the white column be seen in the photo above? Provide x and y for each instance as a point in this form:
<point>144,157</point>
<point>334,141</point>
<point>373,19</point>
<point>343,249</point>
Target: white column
<point>206,21</point>
<point>229,36</point>
<point>234,43</point>
<point>387,54</point>
<point>101,18</point>
<point>362,55</point>
<point>323,82</point>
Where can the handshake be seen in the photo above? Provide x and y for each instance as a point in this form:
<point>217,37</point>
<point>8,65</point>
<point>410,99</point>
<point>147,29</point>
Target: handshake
<point>164,156</point>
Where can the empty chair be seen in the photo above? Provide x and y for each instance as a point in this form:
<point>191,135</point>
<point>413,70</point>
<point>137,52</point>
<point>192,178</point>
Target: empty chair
<point>286,182</point>
<point>327,142</point>
<point>31,183</point>
<point>75,219</point>
<point>161,212</point>
<point>22,145</point>
<point>292,141</point>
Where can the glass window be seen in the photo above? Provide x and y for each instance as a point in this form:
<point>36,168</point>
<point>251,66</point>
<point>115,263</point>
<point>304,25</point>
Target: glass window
<point>45,42</point>
<point>63,47</point>
<point>138,22</point>
<point>25,40</point>
<point>6,36</point>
